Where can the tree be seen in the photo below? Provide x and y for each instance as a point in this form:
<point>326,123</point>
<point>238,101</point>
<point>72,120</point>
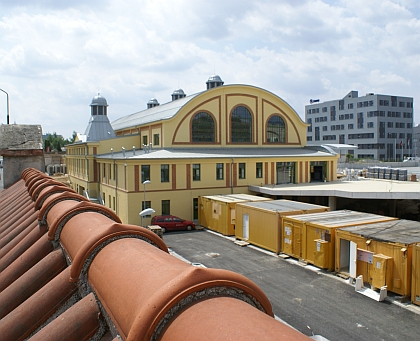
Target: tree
<point>57,142</point>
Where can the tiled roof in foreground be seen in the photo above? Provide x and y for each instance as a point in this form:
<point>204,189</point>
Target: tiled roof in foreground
<point>69,270</point>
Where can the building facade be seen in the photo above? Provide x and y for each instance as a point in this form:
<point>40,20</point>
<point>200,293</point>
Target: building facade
<point>218,141</point>
<point>381,126</point>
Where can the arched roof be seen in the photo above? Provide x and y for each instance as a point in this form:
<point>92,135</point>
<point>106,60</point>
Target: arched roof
<point>99,100</point>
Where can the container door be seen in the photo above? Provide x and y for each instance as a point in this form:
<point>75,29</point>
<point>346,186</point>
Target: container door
<point>321,253</point>
<point>379,270</point>
<point>415,290</point>
<point>245,226</point>
<point>287,238</point>
<point>353,260</point>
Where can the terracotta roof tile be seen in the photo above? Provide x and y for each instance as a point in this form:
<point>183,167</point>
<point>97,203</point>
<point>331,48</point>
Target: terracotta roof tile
<point>89,277</point>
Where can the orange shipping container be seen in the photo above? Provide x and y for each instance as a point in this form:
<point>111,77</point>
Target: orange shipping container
<point>311,237</point>
<point>260,223</point>
<point>217,212</point>
<point>381,253</point>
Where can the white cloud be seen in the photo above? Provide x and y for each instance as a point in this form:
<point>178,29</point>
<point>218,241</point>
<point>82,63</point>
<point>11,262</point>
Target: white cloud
<point>55,56</point>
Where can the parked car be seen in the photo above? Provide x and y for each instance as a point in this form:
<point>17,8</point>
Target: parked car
<point>172,223</point>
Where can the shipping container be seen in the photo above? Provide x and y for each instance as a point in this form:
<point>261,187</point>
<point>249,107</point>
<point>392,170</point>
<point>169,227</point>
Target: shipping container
<point>415,275</point>
<point>217,212</point>
<point>380,252</point>
<point>311,237</point>
<point>260,223</point>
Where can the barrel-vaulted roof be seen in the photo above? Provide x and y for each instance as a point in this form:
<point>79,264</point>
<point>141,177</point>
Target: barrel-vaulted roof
<point>158,113</point>
<point>169,110</point>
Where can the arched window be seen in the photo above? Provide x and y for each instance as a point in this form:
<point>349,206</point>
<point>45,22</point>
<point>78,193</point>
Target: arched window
<point>241,125</point>
<point>276,130</point>
<point>202,128</point>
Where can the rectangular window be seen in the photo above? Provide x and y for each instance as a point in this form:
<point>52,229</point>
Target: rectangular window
<point>166,207</point>
<point>164,173</point>
<point>145,140</point>
<point>219,171</point>
<point>242,174</point>
<point>196,172</point>
<point>155,139</point>
<point>145,173</point>
<point>144,205</point>
<point>259,170</point>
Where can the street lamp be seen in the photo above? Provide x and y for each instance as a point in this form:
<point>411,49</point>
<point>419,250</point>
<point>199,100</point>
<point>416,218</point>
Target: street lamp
<point>7,96</point>
<point>147,211</point>
<point>146,182</point>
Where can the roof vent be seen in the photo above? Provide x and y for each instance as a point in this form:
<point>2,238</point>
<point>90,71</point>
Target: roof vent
<point>214,81</point>
<point>153,102</point>
<point>177,94</point>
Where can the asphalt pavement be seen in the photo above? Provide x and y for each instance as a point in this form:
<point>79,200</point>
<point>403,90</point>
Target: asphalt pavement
<point>313,302</point>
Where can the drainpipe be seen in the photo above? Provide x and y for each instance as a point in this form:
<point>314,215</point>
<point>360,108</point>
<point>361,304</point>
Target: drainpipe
<point>116,185</point>
<point>87,168</point>
<point>231,176</point>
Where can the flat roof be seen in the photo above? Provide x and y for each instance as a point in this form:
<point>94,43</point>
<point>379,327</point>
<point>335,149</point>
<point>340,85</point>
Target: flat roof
<point>283,205</point>
<point>205,153</point>
<point>358,189</point>
<point>395,231</point>
<point>236,198</point>
<point>340,218</point>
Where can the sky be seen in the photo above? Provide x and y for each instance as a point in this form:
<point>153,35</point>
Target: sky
<point>55,56</point>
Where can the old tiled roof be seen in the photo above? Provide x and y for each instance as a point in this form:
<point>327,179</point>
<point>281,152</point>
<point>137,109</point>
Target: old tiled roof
<point>69,270</point>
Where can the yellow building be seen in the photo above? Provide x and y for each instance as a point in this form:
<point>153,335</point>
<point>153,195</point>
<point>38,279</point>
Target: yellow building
<point>218,141</point>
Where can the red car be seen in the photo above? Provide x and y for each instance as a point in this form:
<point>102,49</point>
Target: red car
<point>172,223</point>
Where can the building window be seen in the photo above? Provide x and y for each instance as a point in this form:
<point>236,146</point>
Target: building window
<point>145,140</point>
<point>202,128</point>
<point>145,173</point>
<point>242,174</point>
<point>259,170</point>
<point>196,172</point>
<point>219,171</point>
<point>156,139</point>
<point>370,125</point>
<point>317,135</point>
<point>276,130</point>
<point>166,207</point>
<point>164,173</point>
<point>144,205</point>
<point>285,172</point>
<point>241,125</point>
